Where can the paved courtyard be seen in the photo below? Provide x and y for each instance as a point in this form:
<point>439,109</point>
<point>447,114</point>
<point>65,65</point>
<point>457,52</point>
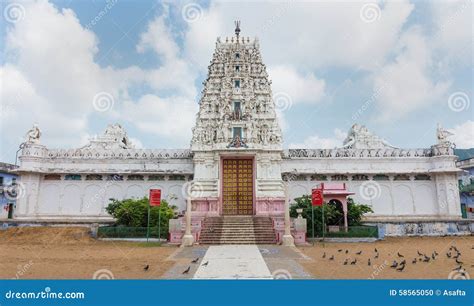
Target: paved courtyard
<point>237,262</point>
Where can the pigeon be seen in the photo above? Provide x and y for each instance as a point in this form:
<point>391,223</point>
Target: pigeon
<point>340,250</point>
<point>187,270</point>
<point>436,253</point>
<point>419,253</point>
<point>358,253</point>
<point>433,256</point>
<point>458,268</point>
<point>346,261</point>
<point>375,250</point>
<point>400,255</point>
<point>146,267</point>
<point>324,255</point>
<point>332,257</point>
<point>354,262</point>
<point>394,265</point>
<point>205,264</point>
<point>195,260</point>
<point>448,254</point>
<point>400,269</point>
<point>377,255</point>
<point>414,261</point>
<point>347,251</point>
<point>403,262</point>
<point>426,259</point>
<point>458,261</point>
<point>368,262</point>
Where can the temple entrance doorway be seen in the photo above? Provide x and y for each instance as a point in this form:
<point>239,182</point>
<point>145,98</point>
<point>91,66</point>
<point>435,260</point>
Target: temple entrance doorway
<point>237,186</point>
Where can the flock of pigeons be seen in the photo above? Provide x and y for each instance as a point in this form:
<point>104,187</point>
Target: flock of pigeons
<point>453,253</point>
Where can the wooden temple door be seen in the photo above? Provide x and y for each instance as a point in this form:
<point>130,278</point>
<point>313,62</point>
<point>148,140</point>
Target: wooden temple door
<point>237,187</point>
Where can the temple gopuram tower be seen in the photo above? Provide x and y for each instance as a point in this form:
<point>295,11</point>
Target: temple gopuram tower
<point>237,141</point>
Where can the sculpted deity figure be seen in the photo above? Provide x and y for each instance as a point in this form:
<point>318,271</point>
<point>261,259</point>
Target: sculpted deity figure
<point>33,135</point>
<point>442,135</point>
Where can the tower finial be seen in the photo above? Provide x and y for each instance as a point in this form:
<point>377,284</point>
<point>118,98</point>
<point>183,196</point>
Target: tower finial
<point>237,28</point>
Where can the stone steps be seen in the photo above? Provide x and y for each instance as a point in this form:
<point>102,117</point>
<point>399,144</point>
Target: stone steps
<point>237,230</point>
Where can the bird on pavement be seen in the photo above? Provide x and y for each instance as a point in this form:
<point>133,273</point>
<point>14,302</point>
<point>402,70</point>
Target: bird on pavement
<point>400,255</point>
<point>187,270</point>
<point>419,254</point>
<point>458,261</point>
<point>347,251</point>
<point>332,257</point>
<point>414,261</point>
<point>368,262</point>
<point>403,262</point>
<point>358,253</point>
<point>376,255</point>
<point>433,256</point>
<point>458,268</point>
<point>340,250</point>
<point>394,264</point>
<point>324,255</point>
<point>195,260</point>
<point>375,250</point>
<point>205,264</point>
<point>426,259</point>
<point>346,261</point>
<point>354,262</point>
<point>146,267</point>
<point>448,254</point>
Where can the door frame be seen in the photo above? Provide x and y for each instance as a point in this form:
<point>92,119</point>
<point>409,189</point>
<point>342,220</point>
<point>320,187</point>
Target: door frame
<point>221,179</point>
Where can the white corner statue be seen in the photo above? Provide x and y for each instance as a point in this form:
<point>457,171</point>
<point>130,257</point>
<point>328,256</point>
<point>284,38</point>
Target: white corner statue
<point>442,135</point>
<point>33,135</point>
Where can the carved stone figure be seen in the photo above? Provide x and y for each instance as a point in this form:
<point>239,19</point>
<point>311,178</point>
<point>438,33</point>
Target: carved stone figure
<point>33,135</point>
<point>442,135</point>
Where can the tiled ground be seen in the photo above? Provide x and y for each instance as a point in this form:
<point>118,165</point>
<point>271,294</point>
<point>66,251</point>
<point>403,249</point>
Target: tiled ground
<point>234,262</point>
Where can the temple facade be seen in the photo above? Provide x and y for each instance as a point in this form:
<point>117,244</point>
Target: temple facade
<point>236,164</point>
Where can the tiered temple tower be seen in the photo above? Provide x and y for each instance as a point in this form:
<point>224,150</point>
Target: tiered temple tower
<point>237,139</point>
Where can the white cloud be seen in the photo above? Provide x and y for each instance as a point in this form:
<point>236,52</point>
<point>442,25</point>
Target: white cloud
<point>463,135</point>
<point>317,142</point>
<point>405,85</point>
<point>300,88</point>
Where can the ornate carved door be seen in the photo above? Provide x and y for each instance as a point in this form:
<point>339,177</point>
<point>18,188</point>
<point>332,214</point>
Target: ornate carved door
<point>237,187</point>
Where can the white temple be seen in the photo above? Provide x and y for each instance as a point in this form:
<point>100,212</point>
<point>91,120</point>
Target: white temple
<point>236,162</point>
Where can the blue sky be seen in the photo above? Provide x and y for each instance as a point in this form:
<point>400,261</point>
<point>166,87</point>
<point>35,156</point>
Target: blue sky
<point>397,67</point>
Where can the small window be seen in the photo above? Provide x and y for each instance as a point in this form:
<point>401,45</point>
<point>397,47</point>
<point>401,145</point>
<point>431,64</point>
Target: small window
<point>237,131</point>
<point>13,180</point>
<point>237,68</point>
<point>156,177</point>
<point>52,177</point>
<point>93,177</point>
<point>381,177</point>
<point>360,177</point>
<point>422,177</point>
<point>72,177</point>
<point>237,84</point>
<point>114,177</point>
<point>135,177</point>
<point>176,177</point>
<point>1,180</point>
<point>339,177</point>
<point>318,177</point>
<point>402,177</point>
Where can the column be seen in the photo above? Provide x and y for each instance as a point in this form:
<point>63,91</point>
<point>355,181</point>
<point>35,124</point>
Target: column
<point>287,239</point>
<point>188,238</point>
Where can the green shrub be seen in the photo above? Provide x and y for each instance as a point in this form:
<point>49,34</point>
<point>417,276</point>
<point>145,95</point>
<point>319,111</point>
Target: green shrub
<point>332,214</point>
<point>134,213</point>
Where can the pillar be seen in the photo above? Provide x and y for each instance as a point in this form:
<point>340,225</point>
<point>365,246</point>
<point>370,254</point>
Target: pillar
<point>188,238</point>
<point>344,210</point>
<point>287,239</point>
